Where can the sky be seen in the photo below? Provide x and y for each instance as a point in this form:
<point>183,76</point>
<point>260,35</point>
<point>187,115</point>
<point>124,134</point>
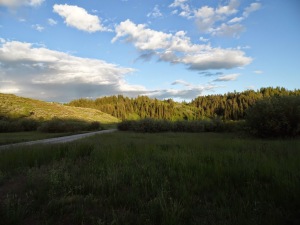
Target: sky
<point>63,50</point>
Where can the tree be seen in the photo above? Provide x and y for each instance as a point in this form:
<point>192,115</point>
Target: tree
<point>275,117</point>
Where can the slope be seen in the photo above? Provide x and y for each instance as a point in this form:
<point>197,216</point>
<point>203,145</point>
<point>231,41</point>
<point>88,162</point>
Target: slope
<point>12,106</point>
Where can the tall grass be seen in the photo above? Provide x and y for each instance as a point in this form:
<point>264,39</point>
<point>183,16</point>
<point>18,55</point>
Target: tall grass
<point>166,178</point>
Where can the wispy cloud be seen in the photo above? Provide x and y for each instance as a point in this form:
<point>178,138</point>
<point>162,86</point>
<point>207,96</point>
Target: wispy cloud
<point>216,21</point>
<point>178,48</point>
<point>210,74</point>
<point>16,3</point>
<point>52,22</point>
<point>203,39</point>
<point>252,8</point>
<point>258,71</point>
<point>228,77</point>
<point>79,18</point>
<point>38,27</point>
<point>155,13</point>
<point>188,93</point>
<point>181,82</point>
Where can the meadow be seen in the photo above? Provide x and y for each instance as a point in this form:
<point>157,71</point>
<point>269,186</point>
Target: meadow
<point>153,178</point>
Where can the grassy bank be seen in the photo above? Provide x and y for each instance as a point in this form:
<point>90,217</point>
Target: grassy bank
<point>167,178</point>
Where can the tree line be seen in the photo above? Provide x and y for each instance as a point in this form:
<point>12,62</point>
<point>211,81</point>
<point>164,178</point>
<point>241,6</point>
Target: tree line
<point>230,106</point>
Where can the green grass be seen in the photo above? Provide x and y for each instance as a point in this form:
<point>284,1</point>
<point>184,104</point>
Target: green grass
<point>167,178</point>
<point>14,107</point>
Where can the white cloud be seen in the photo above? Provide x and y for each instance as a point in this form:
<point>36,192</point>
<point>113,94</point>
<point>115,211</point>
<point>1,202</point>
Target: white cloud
<point>209,74</point>
<point>59,75</point>
<point>181,82</point>
<point>155,13</point>
<point>178,48</point>
<point>229,77</point>
<point>228,30</point>
<point>252,8</point>
<point>52,22</point>
<point>178,3</point>
<point>186,11</point>
<point>229,9</point>
<point>236,20</point>
<point>142,37</point>
<point>203,39</point>
<point>10,90</point>
<point>174,12</point>
<point>16,3</point>
<point>190,92</point>
<point>216,21</point>
<point>258,72</point>
<point>79,18</point>
<point>34,71</point>
<point>38,27</point>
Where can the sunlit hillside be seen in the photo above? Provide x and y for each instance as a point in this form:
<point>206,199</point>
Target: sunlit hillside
<point>13,106</point>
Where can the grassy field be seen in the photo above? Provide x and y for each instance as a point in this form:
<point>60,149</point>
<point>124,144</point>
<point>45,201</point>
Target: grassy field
<point>167,178</point>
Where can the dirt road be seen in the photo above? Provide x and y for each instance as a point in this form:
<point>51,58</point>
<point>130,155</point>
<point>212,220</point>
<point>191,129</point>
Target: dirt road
<point>59,139</point>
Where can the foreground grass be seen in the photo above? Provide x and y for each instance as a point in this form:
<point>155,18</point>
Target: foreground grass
<point>128,178</point>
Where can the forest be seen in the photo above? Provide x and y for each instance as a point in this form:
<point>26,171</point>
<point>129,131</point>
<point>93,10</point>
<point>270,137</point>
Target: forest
<point>230,106</point>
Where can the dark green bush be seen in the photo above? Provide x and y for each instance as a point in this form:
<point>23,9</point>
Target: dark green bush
<point>153,126</point>
<point>63,125</point>
<point>95,126</point>
<point>28,124</point>
<point>23,124</point>
<point>275,117</point>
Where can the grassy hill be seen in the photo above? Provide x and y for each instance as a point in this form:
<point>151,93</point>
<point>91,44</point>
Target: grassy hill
<point>14,107</point>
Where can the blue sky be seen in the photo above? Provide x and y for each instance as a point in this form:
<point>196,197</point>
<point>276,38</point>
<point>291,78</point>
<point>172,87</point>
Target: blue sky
<point>62,50</point>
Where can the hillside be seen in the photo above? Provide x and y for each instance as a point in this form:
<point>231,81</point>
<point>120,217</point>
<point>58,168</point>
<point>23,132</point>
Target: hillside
<point>141,107</point>
<point>230,106</point>
<point>12,106</point>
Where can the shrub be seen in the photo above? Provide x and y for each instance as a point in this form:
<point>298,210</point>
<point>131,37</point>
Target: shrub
<point>275,117</point>
<point>95,126</point>
<point>28,124</point>
<point>61,126</point>
<point>152,126</point>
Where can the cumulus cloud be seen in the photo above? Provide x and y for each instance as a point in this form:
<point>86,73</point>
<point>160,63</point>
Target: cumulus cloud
<point>38,72</point>
<point>16,3</point>
<point>216,21</point>
<point>57,76</point>
<point>178,48</point>
<point>229,77</point>
<point>79,18</point>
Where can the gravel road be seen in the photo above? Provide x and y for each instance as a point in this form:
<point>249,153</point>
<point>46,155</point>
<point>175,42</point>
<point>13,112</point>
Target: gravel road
<point>59,139</point>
